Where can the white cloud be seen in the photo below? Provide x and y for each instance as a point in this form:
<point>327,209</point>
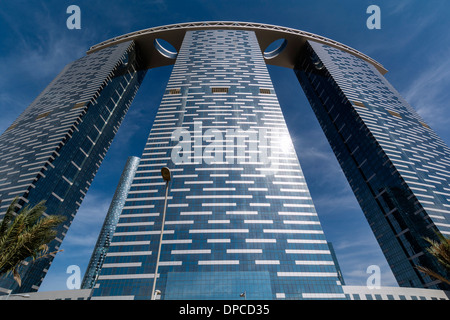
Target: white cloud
<point>88,221</point>
<point>428,93</point>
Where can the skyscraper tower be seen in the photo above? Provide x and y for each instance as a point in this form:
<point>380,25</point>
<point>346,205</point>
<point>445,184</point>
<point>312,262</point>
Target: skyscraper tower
<point>240,218</point>
<point>54,148</point>
<point>397,166</point>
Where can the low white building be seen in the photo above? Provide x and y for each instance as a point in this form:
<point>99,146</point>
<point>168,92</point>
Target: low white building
<point>352,293</point>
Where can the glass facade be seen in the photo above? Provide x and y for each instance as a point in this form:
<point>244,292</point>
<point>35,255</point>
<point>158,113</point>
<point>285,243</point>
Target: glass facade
<point>53,149</point>
<point>396,165</point>
<point>111,220</point>
<point>240,219</point>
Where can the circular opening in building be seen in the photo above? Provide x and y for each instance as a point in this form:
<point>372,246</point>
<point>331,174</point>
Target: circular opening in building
<point>165,48</point>
<point>275,48</point>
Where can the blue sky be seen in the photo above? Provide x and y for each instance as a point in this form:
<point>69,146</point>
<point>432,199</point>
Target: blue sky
<point>413,44</point>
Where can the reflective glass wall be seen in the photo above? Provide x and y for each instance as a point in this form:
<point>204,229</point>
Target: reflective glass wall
<point>55,147</point>
<point>396,165</point>
<point>240,221</point>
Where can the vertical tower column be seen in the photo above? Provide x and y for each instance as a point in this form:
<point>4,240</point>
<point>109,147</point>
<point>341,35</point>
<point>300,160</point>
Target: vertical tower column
<point>240,220</point>
<point>53,149</point>
<point>110,223</point>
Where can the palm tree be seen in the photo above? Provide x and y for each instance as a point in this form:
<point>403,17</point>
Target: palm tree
<point>25,235</point>
<point>441,251</point>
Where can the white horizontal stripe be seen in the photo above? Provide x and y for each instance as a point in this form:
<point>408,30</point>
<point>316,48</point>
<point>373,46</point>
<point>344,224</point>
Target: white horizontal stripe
<point>287,183</point>
<point>218,231</point>
<point>293,190</point>
<point>323,295</point>
<point>292,231</point>
<point>191,251</point>
<point>130,243</point>
<point>218,240</point>
<point>240,182</point>
<point>129,253</point>
<point>176,241</point>
<point>127,276</point>
<point>288,197</point>
<point>242,212</point>
<point>148,206</point>
<point>135,233</point>
<point>217,262</point>
<point>185,175</point>
<point>267,262</point>
<point>307,251</point>
<point>244,250</point>
<point>198,182</point>
<point>300,222</point>
<point>180,222</point>
<point>219,189</point>
<point>131,224</point>
<point>170,263</point>
<point>186,213</point>
<point>122,265</point>
<point>218,221</point>
<point>305,241</point>
<point>258,221</point>
<point>220,196</point>
<point>296,205</point>
<point>147,199</point>
<point>308,262</point>
<point>442,224</point>
<point>261,240</point>
<point>307,274</point>
<point>292,213</point>
<point>436,210</point>
<point>257,189</point>
<point>214,169</point>
<point>135,215</point>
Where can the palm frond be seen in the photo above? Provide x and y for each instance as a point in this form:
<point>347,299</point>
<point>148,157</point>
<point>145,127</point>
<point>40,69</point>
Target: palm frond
<point>433,274</point>
<point>25,235</point>
<point>441,251</point>
<point>8,217</point>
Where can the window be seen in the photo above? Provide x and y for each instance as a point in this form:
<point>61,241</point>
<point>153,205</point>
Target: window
<point>78,105</point>
<point>264,91</point>
<point>425,125</point>
<point>219,90</point>
<point>359,104</point>
<point>395,114</point>
<point>175,91</point>
<point>42,115</point>
<point>11,127</point>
